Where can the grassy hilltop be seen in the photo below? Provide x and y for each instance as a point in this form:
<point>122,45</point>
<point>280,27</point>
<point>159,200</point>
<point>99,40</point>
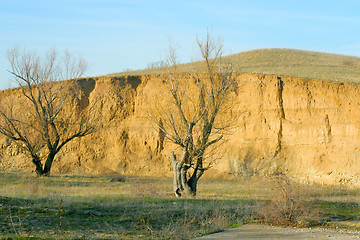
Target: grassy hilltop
<point>284,62</point>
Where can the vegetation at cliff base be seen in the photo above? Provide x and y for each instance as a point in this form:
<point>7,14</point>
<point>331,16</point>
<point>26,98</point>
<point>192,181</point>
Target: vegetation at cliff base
<point>99,207</point>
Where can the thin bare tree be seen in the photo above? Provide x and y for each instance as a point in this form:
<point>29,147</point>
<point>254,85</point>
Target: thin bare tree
<point>190,118</point>
<point>50,117</point>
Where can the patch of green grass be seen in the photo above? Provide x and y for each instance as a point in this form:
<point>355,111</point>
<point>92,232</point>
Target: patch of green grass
<point>339,210</point>
<point>343,215</point>
<point>89,207</point>
<point>152,218</point>
<point>72,209</point>
<point>14,237</point>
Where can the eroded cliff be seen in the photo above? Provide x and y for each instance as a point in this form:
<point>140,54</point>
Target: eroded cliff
<point>307,128</point>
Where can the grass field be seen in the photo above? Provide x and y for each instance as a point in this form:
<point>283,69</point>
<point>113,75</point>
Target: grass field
<point>100,207</point>
<point>283,62</point>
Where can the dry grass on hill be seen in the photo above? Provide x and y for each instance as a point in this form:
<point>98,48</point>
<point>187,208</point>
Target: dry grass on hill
<point>283,62</point>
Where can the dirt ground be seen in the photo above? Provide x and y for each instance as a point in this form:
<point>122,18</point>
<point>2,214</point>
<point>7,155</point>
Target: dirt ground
<point>256,231</point>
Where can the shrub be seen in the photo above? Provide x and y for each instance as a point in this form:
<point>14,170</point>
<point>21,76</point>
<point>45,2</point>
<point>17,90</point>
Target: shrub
<point>117,178</point>
<point>288,205</point>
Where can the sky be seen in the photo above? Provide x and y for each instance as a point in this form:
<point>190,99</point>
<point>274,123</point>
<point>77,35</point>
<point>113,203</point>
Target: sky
<point>118,35</point>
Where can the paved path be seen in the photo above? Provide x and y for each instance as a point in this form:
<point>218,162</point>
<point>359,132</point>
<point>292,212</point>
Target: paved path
<point>256,231</point>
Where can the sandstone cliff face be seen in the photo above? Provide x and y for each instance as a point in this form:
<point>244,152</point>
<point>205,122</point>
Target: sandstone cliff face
<point>307,128</point>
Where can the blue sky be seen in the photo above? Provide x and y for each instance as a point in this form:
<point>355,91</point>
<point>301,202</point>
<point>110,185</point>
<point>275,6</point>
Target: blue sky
<point>117,35</point>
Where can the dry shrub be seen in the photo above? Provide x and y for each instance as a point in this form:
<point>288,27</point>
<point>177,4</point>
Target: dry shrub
<point>217,220</point>
<point>288,205</point>
<point>196,224</point>
<point>188,221</point>
<point>117,178</point>
<point>16,222</point>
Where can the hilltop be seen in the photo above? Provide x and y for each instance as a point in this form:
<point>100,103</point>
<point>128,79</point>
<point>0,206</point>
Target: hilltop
<point>283,62</point>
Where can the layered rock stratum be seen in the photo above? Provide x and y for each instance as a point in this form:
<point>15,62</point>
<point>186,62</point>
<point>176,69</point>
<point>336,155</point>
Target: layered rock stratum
<point>306,128</point>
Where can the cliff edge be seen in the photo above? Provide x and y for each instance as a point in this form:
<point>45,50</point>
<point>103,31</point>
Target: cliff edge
<point>306,128</point>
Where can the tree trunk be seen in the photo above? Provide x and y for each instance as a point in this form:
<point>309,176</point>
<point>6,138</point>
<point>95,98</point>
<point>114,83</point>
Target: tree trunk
<point>48,164</point>
<point>38,165</point>
<point>195,178</point>
<point>177,180</point>
<point>183,187</point>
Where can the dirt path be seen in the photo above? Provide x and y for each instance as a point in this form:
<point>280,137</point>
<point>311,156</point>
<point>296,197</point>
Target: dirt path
<point>256,231</point>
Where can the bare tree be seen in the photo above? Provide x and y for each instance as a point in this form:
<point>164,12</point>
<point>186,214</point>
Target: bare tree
<point>49,116</point>
<point>190,119</point>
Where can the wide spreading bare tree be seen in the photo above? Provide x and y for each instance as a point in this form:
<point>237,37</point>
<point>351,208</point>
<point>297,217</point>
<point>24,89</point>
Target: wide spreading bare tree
<point>191,117</point>
<point>50,115</point>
